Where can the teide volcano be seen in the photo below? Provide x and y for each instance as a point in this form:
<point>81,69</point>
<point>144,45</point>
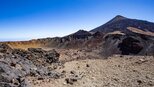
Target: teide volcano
<point>120,35</point>
<point>121,23</point>
<point>127,36</point>
<point>24,62</point>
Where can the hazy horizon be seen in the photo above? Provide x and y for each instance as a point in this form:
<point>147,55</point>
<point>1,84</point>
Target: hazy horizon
<point>31,19</point>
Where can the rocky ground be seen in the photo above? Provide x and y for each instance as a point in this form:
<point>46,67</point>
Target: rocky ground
<point>83,58</point>
<point>17,64</point>
<point>116,71</point>
<point>36,67</point>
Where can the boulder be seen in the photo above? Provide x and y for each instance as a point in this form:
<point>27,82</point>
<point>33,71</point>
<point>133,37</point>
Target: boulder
<point>52,56</point>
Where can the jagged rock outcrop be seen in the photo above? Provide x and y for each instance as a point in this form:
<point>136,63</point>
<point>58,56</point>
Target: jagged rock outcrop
<point>16,64</point>
<point>134,44</point>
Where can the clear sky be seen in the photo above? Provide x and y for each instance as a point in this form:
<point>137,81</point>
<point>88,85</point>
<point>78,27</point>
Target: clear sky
<point>31,19</point>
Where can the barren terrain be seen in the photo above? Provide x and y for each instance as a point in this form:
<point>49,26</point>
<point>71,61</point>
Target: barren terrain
<point>117,71</point>
<point>119,53</point>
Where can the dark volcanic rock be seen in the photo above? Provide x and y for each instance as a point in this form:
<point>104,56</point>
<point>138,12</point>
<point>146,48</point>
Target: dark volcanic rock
<point>81,34</point>
<point>36,50</point>
<point>131,42</point>
<point>120,23</point>
<point>130,45</point>
<point>5,84</point>
<point>21,53</point>
<point>19,63</point>
<point>5,48</point>
<point>52,56</point>
<point>99,38</point>
<point>127,45</point>
<point>70,80</point>
<point>24,83</point>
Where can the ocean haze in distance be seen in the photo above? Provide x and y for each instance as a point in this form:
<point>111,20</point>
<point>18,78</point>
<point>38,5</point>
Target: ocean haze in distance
<point>32,19</point>
<point>14,39</point>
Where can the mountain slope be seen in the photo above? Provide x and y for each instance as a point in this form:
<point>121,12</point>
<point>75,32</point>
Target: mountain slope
<point>120,35</point>
<point>121,23</point>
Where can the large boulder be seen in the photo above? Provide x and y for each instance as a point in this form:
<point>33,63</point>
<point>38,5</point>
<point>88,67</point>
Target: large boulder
<point>52,56</point>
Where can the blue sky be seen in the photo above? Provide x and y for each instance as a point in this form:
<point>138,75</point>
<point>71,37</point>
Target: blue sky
<point>31,19</point>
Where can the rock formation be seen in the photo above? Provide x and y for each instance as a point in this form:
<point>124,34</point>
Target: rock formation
<point>16,64</point>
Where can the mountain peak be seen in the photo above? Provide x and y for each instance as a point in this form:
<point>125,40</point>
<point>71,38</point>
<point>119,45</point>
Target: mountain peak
<point>81,32</point>
<point>121,23</point>
<point>118,17</point>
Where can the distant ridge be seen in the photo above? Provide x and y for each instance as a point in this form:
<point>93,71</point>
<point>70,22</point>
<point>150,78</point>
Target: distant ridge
<point>81,32</point>
<point>120,35</point>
